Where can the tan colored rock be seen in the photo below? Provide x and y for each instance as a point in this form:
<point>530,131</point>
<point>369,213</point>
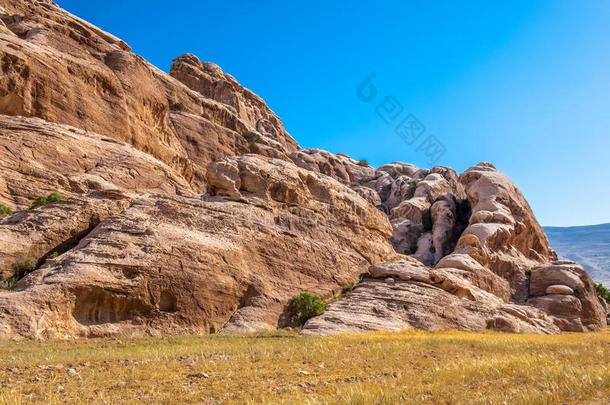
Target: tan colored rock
<point>401,189</point>
<point>503,234</point>
<point>415,209</point>
<point>210,81</point>
<point>55,227</point>
<point>478,275</point>
<point>340,167</point>
<point>368,194</point>
<point>559,289</point>
<point>170,264</point>
<point>64,70</point>
<point>579,312</point>
<point>375,305</point>
<point>39,157</point>
<point>405,235</point>
<point>395,169</point>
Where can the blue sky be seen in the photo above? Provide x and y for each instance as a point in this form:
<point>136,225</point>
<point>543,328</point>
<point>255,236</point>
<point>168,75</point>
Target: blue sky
<point>522,84</point>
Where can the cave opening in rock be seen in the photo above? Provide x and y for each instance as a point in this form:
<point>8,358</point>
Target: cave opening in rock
<point>167,302</point>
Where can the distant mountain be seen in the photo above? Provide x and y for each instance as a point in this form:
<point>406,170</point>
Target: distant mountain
<point>588,245</point>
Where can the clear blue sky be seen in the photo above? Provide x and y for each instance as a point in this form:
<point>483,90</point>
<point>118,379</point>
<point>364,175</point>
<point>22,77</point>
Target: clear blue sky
<point>522,84</point>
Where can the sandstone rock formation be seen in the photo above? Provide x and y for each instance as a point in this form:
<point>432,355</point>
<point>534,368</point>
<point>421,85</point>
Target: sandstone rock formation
<point>192,209</point>
<point>231,260</point>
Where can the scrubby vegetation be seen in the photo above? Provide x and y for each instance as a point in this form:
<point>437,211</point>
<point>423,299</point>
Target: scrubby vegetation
<point>251,136</point>
<point>53,255</point>
<point>51,198</point>
<point>411,190</point>
<point>424,173</point>
<point>412,367</point>
<point>21,268</point>
<point>177,107</point>
<point>363,163</point>
<point>5,211</point>
<point>602,292</point>
<point>305,306</point>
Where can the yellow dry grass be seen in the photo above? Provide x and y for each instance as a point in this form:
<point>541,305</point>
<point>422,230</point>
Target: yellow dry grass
<point>378,368</point>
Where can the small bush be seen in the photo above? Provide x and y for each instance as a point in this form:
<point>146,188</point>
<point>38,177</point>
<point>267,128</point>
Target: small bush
<point>411,190</point>
<point>53,255</point>
<point>177,107</point>
<point>251,137</point>
<point>363,163</point>
<point>424,173</point>
<point>602,292</point>
<point>23,267</point>
<point>8,284</point>
<point>5,211</point>
<point>51,198</point>
<point>305,306</point>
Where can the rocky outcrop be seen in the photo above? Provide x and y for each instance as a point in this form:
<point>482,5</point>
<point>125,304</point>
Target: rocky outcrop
<point>39,157</point>
<point>66,71</point>
<point>191,209</point>
<point>405,295</point>
<point>502,234</point>
<point>567,293</point>
<point>230,261</point>
<point>485,257</point>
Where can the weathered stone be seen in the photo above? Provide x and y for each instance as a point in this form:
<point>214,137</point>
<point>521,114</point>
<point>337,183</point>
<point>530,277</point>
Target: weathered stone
<point>559,289</point>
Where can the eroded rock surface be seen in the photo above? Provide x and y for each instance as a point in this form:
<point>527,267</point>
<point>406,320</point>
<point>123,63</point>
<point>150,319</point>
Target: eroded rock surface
<point>230,261</point>
<point>191,209</point>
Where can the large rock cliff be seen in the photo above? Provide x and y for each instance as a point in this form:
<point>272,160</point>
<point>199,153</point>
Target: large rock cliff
<point>191,209</point>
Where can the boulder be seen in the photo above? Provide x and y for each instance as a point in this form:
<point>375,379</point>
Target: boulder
<point>559,289</point>
<point>503,234</point>
<point>552,286</point>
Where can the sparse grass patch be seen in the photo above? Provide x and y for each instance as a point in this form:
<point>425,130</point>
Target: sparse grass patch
<point>251,137</point>
<point>412,367</point>
<point>305,306</point>
<point>51,198</point>
<point>5,211</point>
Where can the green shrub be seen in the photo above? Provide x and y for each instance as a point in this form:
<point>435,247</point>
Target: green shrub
<point>602,292</point>
<point>5,211</point>
<point>251,137</point>
<point>23,267</point>
<point>363,163</point>
<point>177,107</point>
<point>305,306</point>
<point>8,284</point>
<point>53,255</point>
<point>411,190</point>
<point>51,198</point>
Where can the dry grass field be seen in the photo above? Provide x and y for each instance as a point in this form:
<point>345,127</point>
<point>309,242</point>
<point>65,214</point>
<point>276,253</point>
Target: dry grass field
<point>378,368</point>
